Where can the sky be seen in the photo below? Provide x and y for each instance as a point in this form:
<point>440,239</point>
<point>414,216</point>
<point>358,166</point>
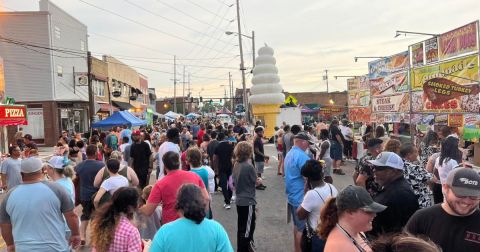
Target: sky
<point>308,36</point>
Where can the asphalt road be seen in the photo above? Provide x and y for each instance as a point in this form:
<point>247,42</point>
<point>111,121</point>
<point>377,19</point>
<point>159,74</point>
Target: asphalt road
<point>272,233</point>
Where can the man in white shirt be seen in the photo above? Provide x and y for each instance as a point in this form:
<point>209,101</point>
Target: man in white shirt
<point>173,137</point>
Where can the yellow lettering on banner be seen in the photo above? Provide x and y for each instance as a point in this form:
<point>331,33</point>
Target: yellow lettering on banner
<point>14,113</point>
<point>466,68</point>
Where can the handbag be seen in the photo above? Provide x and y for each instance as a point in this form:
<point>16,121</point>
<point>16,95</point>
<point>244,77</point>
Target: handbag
<point>309,232</point>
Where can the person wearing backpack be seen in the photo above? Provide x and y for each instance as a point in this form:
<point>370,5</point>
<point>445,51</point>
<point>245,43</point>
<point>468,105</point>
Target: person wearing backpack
<point>110,185</point>
<point>112,140</point>
<point>314,199</point>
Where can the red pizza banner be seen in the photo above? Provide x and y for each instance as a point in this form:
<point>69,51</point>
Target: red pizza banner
<point>13,115</point>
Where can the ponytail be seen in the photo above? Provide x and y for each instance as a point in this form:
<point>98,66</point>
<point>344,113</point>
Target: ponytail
<point>328,218</point>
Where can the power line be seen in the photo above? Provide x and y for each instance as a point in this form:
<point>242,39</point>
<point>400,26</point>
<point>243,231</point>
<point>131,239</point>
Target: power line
<point>141,24</point>
<point>170,20</point>
<point>207,10</point>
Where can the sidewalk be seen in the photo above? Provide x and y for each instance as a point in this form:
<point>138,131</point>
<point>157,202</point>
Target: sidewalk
<point>45,153</point>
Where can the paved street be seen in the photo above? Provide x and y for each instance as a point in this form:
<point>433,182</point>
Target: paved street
<point>272,233</point>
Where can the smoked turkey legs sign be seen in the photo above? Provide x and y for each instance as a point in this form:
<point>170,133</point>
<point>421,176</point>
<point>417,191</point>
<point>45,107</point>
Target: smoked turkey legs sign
<point>440,90</point>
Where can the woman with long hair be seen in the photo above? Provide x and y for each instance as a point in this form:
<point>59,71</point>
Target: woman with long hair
<point>450,157</point>
<point>344,218</point>
<point>192,231</point>
<point>318,193</point>
<point>427,147</point>
<point>245,180</point>
<point>393,145</point>
<point>279,146</point>
<point>112,228</point>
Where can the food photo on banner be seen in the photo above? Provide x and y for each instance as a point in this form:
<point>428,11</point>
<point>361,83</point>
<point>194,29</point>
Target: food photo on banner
<point>360,114</point>
<point>431,50</point>
<point>417,54</point>
<point>455,91</point>
<point>388,65</point>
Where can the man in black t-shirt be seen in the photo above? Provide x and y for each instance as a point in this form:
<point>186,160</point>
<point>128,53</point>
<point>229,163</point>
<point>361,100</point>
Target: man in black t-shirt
<point>259,155</point>
<point>336,149</point>
<point>223,158</point>
<point>454,224</point>
<point>395,193</point>
<point>140,153</point>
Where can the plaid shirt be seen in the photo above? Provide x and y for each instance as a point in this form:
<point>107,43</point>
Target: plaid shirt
<point>127,238</point>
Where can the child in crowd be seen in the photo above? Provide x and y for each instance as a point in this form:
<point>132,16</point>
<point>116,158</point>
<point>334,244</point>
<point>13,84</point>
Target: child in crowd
<point>148,225</point>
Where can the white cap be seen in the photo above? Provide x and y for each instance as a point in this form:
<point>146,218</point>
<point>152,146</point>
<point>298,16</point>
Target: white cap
<point>31,165</point>
<point>56,162</point>
<point>389,159</point>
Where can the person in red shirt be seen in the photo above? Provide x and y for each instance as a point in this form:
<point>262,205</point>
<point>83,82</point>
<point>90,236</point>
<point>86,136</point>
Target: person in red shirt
<point>165,190</point>
<point>200,134</point>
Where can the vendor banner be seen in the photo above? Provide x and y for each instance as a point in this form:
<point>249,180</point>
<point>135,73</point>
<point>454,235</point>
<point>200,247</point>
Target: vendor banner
<point>431,50</point>
<point>461,71</point>
<point>471,119</point>
<point>352,84</point>
<point>459,41</point>
<point>388,65</point>
<point>455,120</point>
<point>441,119</point>
<point>359,98</point>
<point>363,82</point>
<point>394,103</point>
<point>417,54</point>
<point>390,84</point>
<point>440,90</point>
<point>359,114</point>
<point>465,103</point>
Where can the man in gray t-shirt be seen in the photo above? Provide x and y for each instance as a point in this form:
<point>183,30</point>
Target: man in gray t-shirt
<point>10,169</point>
<point>31,214</point>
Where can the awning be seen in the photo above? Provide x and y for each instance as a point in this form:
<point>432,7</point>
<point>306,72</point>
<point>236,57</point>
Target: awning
<point>122,105</point>
<point>105,107</point>
<point>11,115</point>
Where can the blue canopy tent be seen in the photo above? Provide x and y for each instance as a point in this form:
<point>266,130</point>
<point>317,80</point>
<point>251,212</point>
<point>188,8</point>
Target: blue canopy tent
<point>119,118</point>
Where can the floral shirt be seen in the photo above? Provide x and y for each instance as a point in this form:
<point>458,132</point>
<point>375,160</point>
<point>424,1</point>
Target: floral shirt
<point>417,176</point>
<point>365,168</point>
<point>426,152</point>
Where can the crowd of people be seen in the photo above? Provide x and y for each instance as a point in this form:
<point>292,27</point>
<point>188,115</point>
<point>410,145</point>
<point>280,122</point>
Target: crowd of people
<point>402,193</point>
<point>139,189</point>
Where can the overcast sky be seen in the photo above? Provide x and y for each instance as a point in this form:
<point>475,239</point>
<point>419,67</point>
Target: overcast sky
<point>308,36</point>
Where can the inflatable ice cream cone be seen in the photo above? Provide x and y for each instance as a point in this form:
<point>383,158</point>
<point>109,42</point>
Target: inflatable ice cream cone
<point>267,96</point>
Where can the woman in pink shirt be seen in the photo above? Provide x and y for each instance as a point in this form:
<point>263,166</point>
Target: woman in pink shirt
<point>112,228</point>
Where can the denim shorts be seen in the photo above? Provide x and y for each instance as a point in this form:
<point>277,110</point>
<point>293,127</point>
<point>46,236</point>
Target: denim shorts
<point>299,224</point>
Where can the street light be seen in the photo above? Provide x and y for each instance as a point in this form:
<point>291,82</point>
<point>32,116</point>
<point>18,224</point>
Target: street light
<point>368,57</point>
<point>398,33</point>
<point>345,76</point>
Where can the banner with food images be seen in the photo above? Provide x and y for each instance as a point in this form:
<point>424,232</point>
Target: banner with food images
<point>431,50</point>
<point>417,54</point>
<point>359,114</point>
<point>390,84</point>
<point>388,65</point>
<point>359,98</point>
<point>458,41</point>
<point>461,71</point>
<point>465,103</point>
<point>393,103</point>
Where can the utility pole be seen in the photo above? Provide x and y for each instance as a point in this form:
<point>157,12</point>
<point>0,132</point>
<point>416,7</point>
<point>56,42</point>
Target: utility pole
<point>183,99</point>
<point>189,95</point>
<point>91,97</point>
<point>175,83</point>
<point>230,89</point>
<point>242,66</point>
<point>326,78</point>
<point>253,50</point>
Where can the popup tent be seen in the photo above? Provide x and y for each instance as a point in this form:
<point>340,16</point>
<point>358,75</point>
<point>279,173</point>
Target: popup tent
<point>119,118</point>
<point>170,115</point>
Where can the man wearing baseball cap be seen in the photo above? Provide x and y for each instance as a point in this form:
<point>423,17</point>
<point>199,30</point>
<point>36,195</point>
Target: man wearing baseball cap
<point>31,213</point>
<point>454,224</point>
<point>395,193</point>
<point>295,183</point>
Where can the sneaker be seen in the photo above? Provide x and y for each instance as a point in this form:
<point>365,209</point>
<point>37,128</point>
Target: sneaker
<point>227,206</point>
<point>338,171</point>
<point>232,200</point>
<point>261,187</point>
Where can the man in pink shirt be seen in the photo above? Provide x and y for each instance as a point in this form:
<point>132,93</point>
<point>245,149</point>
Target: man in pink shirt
<point>165,190</point>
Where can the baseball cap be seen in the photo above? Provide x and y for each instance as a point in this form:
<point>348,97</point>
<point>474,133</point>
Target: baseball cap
<point>31,165</point>
<point>356,197</point>
<point>136,132</point>
<point>388,159</point>
<point>464,182</point>
<point>56,162</point>
<point>28,136</point>
<point>302,135</point>
<point>258,129</point>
